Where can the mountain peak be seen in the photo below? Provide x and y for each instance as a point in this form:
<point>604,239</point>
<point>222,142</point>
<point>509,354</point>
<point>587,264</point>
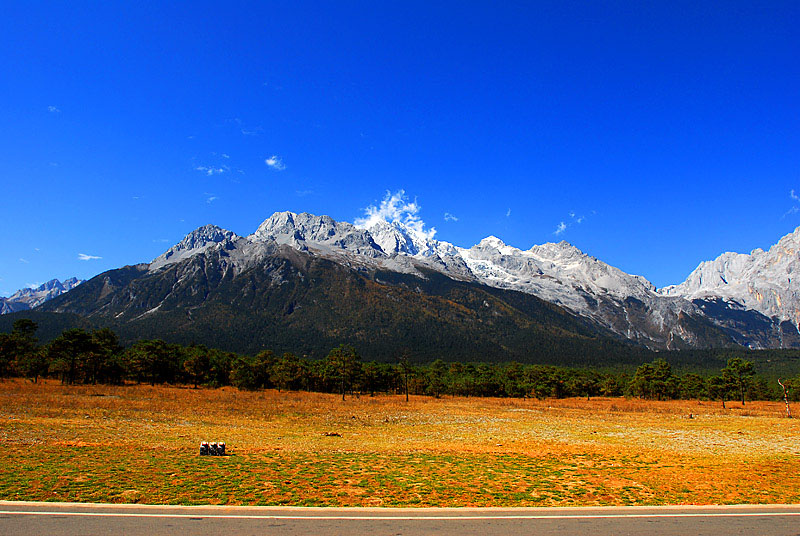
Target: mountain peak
<point>206,234</point>
<point>556,250</point>
<point>196,241</point>
<point>321,232</point>
<point>492,240</point>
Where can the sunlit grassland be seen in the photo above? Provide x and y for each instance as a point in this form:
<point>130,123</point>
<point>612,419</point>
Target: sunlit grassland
<point>139,444</point>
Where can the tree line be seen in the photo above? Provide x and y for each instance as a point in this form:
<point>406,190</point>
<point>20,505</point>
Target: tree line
<point>79,356</point>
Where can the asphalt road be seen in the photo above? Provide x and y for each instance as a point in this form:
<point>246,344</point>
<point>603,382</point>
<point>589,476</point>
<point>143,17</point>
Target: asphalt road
<point>82,519</point>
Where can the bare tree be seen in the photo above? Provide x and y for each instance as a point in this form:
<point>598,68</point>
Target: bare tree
<point>785,398</point>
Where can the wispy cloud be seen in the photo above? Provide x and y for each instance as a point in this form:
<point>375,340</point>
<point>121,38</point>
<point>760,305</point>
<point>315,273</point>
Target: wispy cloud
<point>246,130</point>
<point>449,217</point>
<point>396,207</point>
<point>508,213</point>
<point>303,193</point>
<point>53,110</point>
<point>211,170</point>
<point>226,156</point>
<point>24,261</point>
<point>275,162</point>
<point>574,219</point>
<point>161,240</point>
<point>85,257</point>
<point>211,198</point>
<point>795,204</point>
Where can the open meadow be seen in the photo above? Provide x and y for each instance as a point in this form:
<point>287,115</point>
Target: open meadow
<point>138,443</point>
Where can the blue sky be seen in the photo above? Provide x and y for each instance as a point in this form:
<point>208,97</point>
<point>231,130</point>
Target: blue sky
<point>661,134</point>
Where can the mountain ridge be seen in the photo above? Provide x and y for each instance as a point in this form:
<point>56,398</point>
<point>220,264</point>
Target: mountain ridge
<point>616,304</point>
<point>30,297</point>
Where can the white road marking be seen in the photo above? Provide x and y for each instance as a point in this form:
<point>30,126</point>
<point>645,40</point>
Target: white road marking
<point>400,518</point>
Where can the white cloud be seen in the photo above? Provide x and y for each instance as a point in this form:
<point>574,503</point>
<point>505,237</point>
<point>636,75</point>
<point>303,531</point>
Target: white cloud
<point>53,110</point>
<point>303,193</point>
<point>225,155</point>
<point>395,207</point>
<point>24,261</point>
<point>449,217</point>
<point>211,199</point>
<point>795,200</point>
<point>508,213</point>
<point>85,257</point>
<point>275,163</point>
<point>209,171</point>
<point>252,131</point>
<point>793,210</point>
<point>573,219</point>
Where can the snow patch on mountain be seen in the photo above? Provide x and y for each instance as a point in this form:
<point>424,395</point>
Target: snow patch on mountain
<point>562,274</point>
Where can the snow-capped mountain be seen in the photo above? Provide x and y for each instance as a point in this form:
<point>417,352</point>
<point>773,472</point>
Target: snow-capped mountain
<point>395,238</point>
<point>625,304</point>
<point>562,274</point>
<point>764,281</point>
<point>750,300</point>
<point>28,298</point>
<point>387,245</point>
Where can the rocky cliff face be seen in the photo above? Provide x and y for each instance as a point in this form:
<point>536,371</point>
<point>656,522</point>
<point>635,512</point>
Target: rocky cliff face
<point>195,242</point>
<point>763,281</point>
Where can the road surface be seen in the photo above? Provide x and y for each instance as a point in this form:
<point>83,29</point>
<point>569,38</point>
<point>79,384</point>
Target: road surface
<point>84,519</point>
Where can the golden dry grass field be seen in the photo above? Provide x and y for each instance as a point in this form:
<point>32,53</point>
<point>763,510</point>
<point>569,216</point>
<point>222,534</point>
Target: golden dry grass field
<point>140,444</point>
